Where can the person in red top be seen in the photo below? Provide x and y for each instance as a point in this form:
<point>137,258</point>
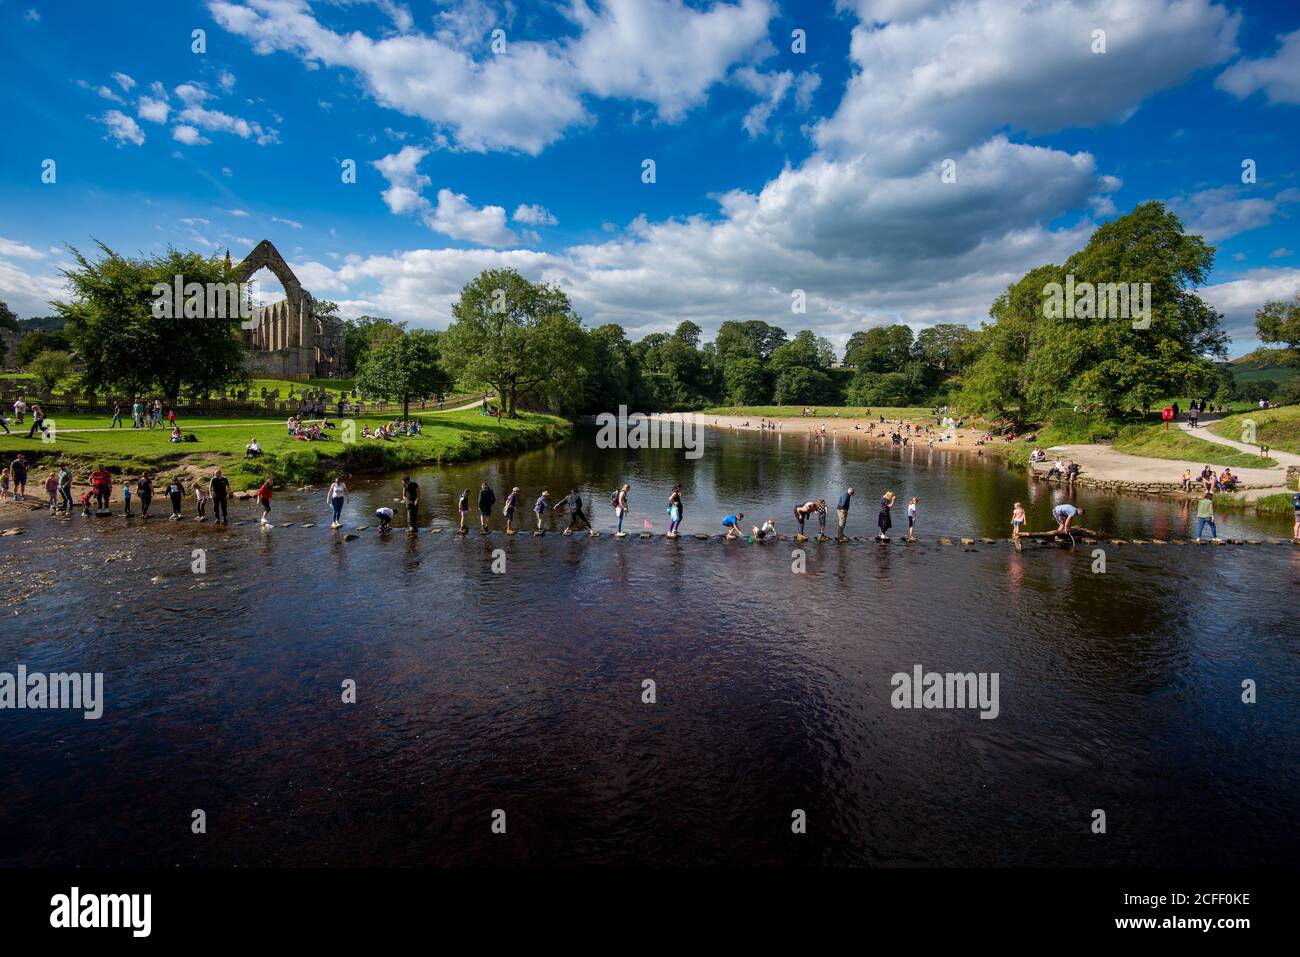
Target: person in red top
<point>264,499</point>
<point>101,483</point>
<point>171,417</point>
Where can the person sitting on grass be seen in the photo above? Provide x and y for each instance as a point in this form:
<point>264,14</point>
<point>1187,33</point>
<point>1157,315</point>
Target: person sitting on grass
<point>176,435</point>
<point>252,449</point>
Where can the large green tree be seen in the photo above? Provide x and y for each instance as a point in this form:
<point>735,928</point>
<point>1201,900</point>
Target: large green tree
<point>37,342</point>
<point>8,319</point>
<point>515,336</point>
<point>408,367</point>
<point>364,333</point>
<point>128,349</point>
<point>1036,357</point>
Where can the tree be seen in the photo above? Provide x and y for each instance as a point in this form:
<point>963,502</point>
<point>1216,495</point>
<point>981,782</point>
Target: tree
<point>514,335</point>
<point>880,349</point>
<point>407,367</point>
<point>802,385</point>
<point>365,333</point>
<point>746,381</point>
<point>8,320</point>
<point>615,377</point>
<point>1280,322</point>
<point>754,339</point>
<point>38,342</point>
<point>946,347</point>
<point>49,367</point>
<point>126,348</point>
<point>880,388</point>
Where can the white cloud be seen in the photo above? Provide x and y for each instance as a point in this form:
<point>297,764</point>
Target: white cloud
<point>1240,298</point>
<point>108,94</point>
<point>32,15</point>
<point>188,135</point>
<point>13,248</point>
<point>292,224</point>
<point>405,182</point>
<point>1278,76</point>
<point>227,80</point>
<point>455,216</point>
<point>216,121</point>
<point>658,51</point>
<point>122,128</point>
<point>195,221</point>
<point>926,88</point>
<point>192,94</point>
<point>124,81</point>
<point>155,111</point>
<point>1281,252</point>
<point>534,215</point>
<point>29,294</point>
<point>1229,210</point>
<point>237,212</point>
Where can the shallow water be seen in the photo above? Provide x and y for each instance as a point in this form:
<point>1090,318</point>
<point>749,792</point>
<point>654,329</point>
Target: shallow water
<point>522,691</point>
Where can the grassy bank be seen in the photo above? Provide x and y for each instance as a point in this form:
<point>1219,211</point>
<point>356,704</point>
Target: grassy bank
<point>1154,441</point>
<point>448,437</point>
<point>1276,428</point>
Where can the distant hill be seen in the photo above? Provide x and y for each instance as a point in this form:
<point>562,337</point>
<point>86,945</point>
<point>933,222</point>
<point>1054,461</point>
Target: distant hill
<point>1263,363</point>
<point>42,324</point>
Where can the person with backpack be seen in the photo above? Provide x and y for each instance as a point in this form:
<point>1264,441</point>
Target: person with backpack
<point>573,501</point>
<point>509,509</point>
<point>619,501</point>
<point>540,507</point>
<point>462,507</point>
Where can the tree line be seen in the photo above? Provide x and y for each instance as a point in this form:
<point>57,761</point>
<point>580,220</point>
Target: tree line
<point>523,341</point>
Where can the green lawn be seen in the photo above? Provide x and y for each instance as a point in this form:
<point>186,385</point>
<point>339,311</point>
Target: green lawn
<point>1155,442</point>
<point>845,411</point>
<point>1276,428</point>
<point>452,436</point>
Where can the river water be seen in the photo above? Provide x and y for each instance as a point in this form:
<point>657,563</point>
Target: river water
<point>523,690</point>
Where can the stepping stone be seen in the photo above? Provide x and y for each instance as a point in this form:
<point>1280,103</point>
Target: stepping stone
<point>1158,541</point>
<point>1089,541</point>
<point>13,531</point>
<point>801,538</point>
<point>701,536</point>
<point>644,534</point>
<point>1137,541</point>
<point>309,525</point>
<point>620,534</point>
<point>510,531</point>
<point>538,534</point>
<point>1118,541</point>
<point>989,541</point>
<point>350,536</point>
<point>434,530</point>
<point>945,541</point>
<point>968,541</point>
<point>286,524</point>
<point>361,528</point>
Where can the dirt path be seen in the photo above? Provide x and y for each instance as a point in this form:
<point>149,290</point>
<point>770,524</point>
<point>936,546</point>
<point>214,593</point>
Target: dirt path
<point>1283,459</point>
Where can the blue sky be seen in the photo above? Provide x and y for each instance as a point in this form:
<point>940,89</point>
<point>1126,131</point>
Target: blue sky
<point>775,169</point>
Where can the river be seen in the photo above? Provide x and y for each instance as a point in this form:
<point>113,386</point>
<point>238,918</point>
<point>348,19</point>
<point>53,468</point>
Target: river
<point>523,689</point>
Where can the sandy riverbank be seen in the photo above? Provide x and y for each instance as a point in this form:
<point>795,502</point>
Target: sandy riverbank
<point>869,431</point>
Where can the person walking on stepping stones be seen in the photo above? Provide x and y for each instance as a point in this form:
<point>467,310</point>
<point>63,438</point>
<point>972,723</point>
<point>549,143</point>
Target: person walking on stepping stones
<point>842,509</point>
<point>620,506</point>
<point>884,520</point>
<point>801,513</point>
<point>176,492</point>
<point>411,496</point>
<point>508,509</point>
<point>144,491</point>
<point>264,500</point>
<point>540,507</point>
<point>573,501</point>
<point>486,499</point>
<point>219,491</point>
<point>462,506</point>
<point>674,511</point>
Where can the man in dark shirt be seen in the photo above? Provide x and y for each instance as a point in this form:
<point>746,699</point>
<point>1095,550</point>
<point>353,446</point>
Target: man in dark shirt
<point>486,499</point>
<point>411,495</point>
<point>574,502</point>
<point>219,490</point>
<point>18,476</point>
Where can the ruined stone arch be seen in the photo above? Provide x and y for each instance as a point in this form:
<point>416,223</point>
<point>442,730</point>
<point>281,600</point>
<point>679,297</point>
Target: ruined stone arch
<point>283,325</point>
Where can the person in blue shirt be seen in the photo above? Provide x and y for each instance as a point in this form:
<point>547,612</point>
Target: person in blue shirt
<point>842,509</point>
<point>732,524</point>
<point>1065,515</point>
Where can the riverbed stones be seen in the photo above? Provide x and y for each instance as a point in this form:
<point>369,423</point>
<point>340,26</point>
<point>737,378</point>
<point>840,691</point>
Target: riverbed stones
<point>12,531</point>
<point>351,536</point>
<point>968,541</point>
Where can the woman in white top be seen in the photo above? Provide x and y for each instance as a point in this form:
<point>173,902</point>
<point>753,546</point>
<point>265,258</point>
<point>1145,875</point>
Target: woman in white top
<point>338,495</point>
